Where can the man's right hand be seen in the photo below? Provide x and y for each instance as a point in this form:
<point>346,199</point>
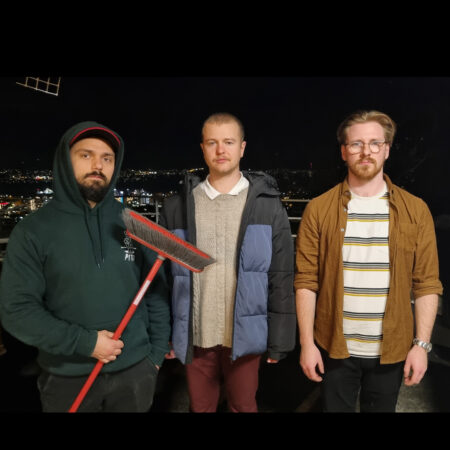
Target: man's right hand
<point>170,355</point>
<point>107,349</point>
<point>310,361</point>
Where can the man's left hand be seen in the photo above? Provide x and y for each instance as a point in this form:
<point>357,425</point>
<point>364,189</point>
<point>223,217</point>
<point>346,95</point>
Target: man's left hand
<point>415,365</point>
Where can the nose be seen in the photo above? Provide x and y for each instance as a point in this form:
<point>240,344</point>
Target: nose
<point>366,149</point>
<point>220,148</point>
<point>97,162</point>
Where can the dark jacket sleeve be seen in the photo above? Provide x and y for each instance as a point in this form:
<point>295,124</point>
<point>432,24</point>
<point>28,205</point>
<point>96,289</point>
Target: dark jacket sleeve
<point>167,219</point>
<point>281,304</point>
<point>165,223</point>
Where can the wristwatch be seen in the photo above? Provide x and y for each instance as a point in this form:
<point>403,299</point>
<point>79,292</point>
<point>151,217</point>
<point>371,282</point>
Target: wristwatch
<point>426,345</point>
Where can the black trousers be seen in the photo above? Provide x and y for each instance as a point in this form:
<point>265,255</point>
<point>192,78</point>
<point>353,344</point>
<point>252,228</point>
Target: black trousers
<point>378,384</point>
<point>129,390</point>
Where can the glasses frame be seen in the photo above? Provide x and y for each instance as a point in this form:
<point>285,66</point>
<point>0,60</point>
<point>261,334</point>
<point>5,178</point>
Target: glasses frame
<point>377,144</point>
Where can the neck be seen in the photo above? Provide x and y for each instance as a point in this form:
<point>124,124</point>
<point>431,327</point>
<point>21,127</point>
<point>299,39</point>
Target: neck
<point>91,203</point>
<point>366,188</point>
<point>224,183</point>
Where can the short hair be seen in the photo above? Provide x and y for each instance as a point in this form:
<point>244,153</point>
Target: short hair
<point>221,118</point>
<point>383,119</point>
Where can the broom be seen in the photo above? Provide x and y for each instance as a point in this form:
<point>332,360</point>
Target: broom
<point>166,245</point>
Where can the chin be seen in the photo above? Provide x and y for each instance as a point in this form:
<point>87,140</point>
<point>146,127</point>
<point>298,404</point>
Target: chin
<point>365,173</point>
<point>222,170</point>
<point>95,183</point>
<point>365,176</point>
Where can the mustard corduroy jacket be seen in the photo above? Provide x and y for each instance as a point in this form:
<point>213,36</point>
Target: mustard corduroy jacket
<point>413,267</point>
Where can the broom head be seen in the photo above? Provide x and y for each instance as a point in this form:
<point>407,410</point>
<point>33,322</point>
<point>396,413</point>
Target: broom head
<point>164,242</point>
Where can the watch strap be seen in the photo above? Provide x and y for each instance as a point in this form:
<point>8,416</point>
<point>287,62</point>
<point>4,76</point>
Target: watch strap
<point>426,345</point>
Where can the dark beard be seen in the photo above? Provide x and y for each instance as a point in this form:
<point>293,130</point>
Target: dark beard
<point>94,193</point>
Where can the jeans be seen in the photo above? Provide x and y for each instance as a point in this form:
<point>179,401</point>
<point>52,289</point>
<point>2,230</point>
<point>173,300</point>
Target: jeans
<point>378,384</point>
<point>128,390</point>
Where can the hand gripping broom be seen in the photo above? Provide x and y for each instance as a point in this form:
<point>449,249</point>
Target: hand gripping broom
<point>166,245</point>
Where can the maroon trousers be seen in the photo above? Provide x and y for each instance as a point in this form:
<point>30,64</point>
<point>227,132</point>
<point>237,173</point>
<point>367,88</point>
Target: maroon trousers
<point>204,377</point>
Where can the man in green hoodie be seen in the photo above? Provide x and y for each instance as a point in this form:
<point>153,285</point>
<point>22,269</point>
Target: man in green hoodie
<point>71,273</point>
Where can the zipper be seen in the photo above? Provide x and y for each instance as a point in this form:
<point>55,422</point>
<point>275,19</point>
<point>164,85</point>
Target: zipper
<point>192,238</point>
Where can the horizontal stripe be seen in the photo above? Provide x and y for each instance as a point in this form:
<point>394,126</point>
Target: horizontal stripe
<point>366,240</point>
<point>363,342</point>
<point>366,295</point>
<point>373,264</point>
<point>367,216</point>
<point>364,319</point>
<point>357,290</point>
<point>367,220</point>
<point>364,339</point>
<point>366,245</point>
<point>363,315</point>
<point>358,217</point>
<point>366,266</point>
<point>365,356</point>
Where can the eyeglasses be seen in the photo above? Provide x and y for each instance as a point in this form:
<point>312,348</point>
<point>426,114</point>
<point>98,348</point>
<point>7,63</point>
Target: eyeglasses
<point>358,146</point>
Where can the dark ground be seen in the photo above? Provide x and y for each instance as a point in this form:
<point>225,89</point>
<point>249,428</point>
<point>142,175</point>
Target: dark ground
<point>283,386</point>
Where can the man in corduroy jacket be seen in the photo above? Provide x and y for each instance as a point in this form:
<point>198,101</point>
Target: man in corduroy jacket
<point>362,248</point>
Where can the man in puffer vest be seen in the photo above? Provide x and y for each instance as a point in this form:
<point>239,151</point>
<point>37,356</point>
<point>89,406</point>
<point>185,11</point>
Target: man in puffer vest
<point>227,316</point>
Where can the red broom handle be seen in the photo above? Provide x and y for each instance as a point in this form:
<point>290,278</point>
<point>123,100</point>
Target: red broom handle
<point>123,323</point>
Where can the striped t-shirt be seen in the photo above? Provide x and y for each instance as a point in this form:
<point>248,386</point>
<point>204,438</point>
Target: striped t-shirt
<point>366,273</point>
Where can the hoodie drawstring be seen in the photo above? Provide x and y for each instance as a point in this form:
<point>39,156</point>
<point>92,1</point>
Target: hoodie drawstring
<point>97,251</point>
<point>100,228</point>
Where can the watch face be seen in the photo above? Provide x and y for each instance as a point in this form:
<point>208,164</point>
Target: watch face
<point>426,345</point>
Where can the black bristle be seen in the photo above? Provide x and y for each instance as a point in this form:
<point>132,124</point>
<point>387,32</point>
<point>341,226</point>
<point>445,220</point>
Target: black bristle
<point>166,244</point>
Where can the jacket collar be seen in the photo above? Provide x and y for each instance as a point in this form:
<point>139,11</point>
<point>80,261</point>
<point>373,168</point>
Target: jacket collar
<point>260,182</point>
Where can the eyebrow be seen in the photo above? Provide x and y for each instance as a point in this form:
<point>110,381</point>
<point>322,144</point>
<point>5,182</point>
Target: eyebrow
<point>370,140</point>
<point>224,139</point>
<point>107,153</point>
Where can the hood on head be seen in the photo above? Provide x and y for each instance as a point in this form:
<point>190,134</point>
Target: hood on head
<point>66,191</point>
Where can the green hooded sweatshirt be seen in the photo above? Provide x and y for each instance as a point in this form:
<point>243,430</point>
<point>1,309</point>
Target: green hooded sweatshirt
<point>70,271</point>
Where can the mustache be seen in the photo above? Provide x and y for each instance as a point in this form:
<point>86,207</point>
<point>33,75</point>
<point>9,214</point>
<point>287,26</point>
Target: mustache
<point>367,160</point>
<point>99,174</point>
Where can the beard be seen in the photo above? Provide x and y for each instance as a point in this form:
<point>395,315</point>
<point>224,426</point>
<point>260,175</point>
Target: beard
<point>363,172</point>
<point>95,191</point>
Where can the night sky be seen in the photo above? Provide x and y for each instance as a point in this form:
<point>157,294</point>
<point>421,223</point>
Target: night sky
<point>290,122</point>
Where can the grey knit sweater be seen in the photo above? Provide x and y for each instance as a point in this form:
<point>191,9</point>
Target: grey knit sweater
<point>217,223</point>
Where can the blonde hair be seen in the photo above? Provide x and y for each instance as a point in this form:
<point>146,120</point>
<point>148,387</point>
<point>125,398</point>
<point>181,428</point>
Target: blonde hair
<point>221,118</point>
<point>384,120</point>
